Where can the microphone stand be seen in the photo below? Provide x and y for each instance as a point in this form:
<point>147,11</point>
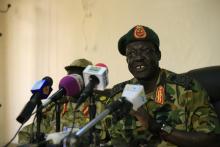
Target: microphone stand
<point>92,113</point>
<point>92,107</point>
<point>38,136</point>
<point>57,109</point>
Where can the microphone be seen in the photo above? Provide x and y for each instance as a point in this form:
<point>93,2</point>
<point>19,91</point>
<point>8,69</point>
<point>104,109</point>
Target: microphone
<point>95,77</point>
<point>41,89</point>
<point>134,94</point>
<point>100,71</point>
<point>69,85</point>
<point>133,97</point>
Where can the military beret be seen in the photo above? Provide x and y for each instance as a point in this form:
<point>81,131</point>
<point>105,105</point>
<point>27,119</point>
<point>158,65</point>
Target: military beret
<point>78,63</point>
<point>138,33</point>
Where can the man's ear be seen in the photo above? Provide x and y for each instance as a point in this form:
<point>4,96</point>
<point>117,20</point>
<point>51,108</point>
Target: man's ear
<point>127,59</point>
<point>158,55</point>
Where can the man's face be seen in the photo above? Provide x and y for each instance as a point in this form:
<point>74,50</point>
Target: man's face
<point>143,59</point>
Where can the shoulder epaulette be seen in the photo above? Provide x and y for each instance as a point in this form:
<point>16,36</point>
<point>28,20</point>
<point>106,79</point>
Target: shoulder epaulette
<point>102,96</point>
<point>182,80</point>
<point>118,88</point>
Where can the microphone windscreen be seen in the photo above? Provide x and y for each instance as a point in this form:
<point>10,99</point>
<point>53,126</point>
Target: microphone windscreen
<point>72,84</point>
<point>101,65</point>
<point>49,80</point>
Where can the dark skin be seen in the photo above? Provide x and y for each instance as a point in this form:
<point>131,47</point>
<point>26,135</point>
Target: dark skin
<point>143,62</point>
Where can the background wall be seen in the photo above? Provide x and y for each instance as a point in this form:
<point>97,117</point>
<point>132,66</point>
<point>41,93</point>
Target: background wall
<point>2,78</point>
<point>40,37</point>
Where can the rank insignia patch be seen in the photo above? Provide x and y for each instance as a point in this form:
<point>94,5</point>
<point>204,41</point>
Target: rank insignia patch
<point>160,94</point>
<point>85,110</point>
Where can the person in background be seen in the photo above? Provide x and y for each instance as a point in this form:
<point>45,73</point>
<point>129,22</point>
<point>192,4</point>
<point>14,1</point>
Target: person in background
<point>48,124</point>
<point>177,111</point>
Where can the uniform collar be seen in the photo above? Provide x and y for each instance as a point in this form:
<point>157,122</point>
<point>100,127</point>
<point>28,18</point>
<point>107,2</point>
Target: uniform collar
<point>160,82</point>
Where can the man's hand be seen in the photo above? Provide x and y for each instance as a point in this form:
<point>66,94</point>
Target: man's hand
<point>142,116</point>
<point>146,120</point>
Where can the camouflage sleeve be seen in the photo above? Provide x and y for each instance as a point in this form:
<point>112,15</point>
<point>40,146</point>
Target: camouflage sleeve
<point>203,116</point>
<point>118,132</point>
<point>101,127</point>
<point>24,136</point>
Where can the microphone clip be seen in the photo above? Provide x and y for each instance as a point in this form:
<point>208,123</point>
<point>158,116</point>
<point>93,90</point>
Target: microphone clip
<point>122,110</point>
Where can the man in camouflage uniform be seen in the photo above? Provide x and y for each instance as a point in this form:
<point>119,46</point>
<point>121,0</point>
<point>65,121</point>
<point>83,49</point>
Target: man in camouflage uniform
<point>67,106</point>
<point>177,112</point>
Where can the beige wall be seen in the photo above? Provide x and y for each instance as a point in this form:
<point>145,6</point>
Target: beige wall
<point>2,79</point>
<point>43,36</point>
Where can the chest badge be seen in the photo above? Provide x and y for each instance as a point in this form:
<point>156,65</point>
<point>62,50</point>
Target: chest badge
<point>160,95</point>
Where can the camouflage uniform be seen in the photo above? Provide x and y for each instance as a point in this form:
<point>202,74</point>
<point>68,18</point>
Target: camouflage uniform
<point>182,103</point>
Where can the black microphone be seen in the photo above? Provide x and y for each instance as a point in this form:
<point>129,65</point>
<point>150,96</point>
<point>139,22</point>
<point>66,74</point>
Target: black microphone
<point>41,89</point>
<point>87,91</point>
<point>95,77</point>
<point>70,85</point>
